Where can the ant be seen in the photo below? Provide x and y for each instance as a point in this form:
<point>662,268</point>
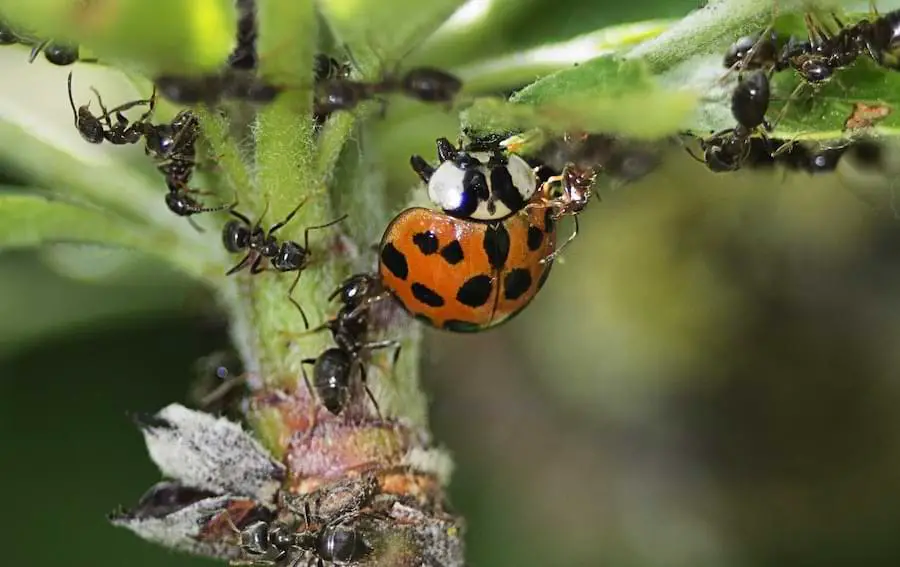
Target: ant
<point>173,146</point>
<point>426,84</point>
<point>287,256</point>
<point>327,535</point>
<point>211,88</point>
<point>92,129</point>
<point>575,190</point>
<point>58,53</point>
<point>726,150</point>
<point>333,369</point>
<point>244,56</point>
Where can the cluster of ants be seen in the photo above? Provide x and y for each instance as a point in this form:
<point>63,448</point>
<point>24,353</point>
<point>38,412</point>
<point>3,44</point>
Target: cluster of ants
<point>815,60</point>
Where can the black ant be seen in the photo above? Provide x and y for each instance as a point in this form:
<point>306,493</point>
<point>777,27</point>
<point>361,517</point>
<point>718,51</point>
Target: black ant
<point>92,128</point>
<point>726,150</point>
<point>173,146</point>
<point>211,88</point>
<point>333,368</point>
<point>288,256</point>
<point>326,536</point>
<point>244,55</point>
<point>426,84</point>
<point>58,53</point>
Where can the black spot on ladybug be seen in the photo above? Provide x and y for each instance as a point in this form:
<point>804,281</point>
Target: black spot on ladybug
<point>453,253</point>
<point>504,190</point>
<point>496,245</point>
<point>476,291</point>
<point>426,241</point>
<point>535,237</point>
<point>549,221</point>
<point>516,283</point>
<point>462,326</point>
<point>543,279</point>
<point>427,295</point>
<point>424,319</point>
<point>394,261</point>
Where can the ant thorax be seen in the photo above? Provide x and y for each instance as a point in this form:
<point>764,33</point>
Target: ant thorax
<point>484,186</point>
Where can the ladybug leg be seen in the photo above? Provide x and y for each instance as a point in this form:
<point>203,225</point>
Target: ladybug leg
<point>445,149</point>
<point>422,168</point>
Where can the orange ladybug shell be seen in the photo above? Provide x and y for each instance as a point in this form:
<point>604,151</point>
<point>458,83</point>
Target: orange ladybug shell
<point>462,275</point>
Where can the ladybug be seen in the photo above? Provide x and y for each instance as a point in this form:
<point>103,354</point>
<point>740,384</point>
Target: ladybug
<point>478,185</point>
<point>466,276</point>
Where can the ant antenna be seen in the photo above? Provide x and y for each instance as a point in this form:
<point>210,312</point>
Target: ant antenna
<point>72,100</point>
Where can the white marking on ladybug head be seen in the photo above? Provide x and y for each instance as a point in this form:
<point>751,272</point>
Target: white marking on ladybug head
<point>445,188</point>
<point>523,177</point>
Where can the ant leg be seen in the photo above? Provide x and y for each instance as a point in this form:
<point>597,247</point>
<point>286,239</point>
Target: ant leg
<point>105,114</point>
<point>219,392</point>
<point>317,227</point>
<point>309,388</point>
<point>194,224</point>
<point>239,216</point>
<point>787,103</point>
<point>255,269</point>
<point>363,305</point>
<point>72,100</point>
<point>378,345</point>
<point>240,265</point>
<point>364,379</point>
<point>422,168</point>
<point>551,256</point>
<point>313,415</point>
<point>36,50</point>
<point>294,301</point>
<point>288,218</point>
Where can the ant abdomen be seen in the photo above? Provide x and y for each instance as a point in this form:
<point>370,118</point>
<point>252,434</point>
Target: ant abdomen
<point>884,41</point>
<point>750,100</point>
<point>431,85</point>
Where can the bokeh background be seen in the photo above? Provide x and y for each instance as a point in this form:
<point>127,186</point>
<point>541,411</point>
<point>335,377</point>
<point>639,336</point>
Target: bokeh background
<point>709,378</point>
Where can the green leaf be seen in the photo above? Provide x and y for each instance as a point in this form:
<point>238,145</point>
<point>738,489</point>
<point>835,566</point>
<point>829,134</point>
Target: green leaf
<point>170,35</point>
<point>32,220</point>
<point>382,32</point>
<point>513,70</point>
<point>603,95</point>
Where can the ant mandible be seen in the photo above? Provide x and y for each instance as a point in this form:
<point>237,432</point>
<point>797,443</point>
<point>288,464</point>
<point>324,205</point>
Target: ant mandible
<point>286,256</point>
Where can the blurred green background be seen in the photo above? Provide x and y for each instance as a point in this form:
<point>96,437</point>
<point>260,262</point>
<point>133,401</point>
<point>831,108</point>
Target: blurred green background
<point>708,379</point>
